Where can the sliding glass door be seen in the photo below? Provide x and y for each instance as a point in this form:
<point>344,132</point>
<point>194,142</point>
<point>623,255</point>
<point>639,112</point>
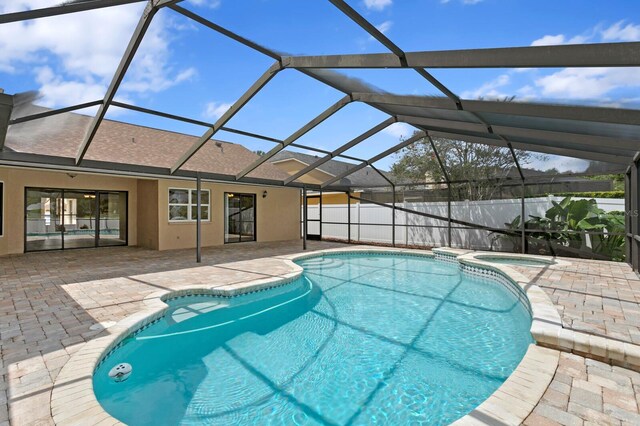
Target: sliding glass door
<point>240,217</point>
<point>57,219</point>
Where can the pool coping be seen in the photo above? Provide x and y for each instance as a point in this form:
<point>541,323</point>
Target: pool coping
<point>73,401</point>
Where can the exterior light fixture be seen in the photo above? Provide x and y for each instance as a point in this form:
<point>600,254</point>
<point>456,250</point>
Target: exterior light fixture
<point>264,194</point>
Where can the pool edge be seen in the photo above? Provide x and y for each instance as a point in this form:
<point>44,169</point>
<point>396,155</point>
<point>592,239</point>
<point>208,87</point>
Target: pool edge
<point>73,401</point>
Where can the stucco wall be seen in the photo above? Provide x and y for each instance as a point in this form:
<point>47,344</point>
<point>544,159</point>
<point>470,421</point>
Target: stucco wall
<point>16,179</point>
<point>148,214</point>
<point>278,215</point>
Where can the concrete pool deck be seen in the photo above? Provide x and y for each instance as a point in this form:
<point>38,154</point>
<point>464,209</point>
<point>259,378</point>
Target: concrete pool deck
<point>52,303</point>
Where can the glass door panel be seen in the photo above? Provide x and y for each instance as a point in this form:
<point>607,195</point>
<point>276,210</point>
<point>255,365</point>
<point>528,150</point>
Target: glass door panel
<point>112,220</point>
<point>247,218</point>
<point>57,219</point>
<point>43,220</point>
<point>232,216</point>
<point>239,217</point>
<point>78,224</point>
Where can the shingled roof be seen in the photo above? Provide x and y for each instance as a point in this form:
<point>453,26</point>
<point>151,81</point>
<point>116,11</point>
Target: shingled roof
<point>119,142</point>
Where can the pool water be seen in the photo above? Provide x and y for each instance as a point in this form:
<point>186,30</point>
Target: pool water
<point>359,339</point>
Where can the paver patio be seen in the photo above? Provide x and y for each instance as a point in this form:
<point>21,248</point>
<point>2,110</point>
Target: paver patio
<point>51,303</point>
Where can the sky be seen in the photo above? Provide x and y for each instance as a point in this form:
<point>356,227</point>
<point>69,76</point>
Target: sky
<point>189,70</point>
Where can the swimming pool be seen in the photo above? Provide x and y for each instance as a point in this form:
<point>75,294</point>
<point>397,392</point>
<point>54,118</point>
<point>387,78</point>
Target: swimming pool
<point>358,339</point>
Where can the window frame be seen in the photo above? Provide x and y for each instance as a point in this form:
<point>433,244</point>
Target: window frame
<point>192,203</point>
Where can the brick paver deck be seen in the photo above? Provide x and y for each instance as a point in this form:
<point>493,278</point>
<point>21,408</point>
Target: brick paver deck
<point>51,303</point>
<point>596,297</point>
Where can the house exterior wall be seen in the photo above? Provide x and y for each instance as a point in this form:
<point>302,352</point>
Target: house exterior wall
<point>293,166</point>
<point>278,215</point>
<point>148,225</point>
<point>17,179</point>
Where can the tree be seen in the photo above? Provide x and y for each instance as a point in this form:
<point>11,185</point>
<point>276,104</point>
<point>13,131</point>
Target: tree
<point>464,162</point>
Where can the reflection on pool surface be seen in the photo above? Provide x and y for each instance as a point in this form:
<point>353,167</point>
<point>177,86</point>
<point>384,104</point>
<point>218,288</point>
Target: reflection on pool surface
<point>359,339</point>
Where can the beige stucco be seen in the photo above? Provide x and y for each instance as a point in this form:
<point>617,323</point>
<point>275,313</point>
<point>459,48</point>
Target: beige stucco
<point>278,214</point>
<point>292,166</point>
<point>17,179</point>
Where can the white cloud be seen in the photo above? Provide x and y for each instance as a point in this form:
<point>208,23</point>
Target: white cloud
<point>384,27</point>
<point>618,32</point>
<point>471,2</point>
<point>554,40</point>
<point>214,110</point>
<point>377,4</point>
<point>213,4</point>
<point>399,130</point>
<point>587,83</point>
<point>489,89</point>
<point>549,40</point>
<point>71,56</point>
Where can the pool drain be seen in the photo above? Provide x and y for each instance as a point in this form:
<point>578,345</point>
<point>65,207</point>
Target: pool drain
<point>120,372</point>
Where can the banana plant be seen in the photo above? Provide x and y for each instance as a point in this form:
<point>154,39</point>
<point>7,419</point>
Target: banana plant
<point>567,227</point>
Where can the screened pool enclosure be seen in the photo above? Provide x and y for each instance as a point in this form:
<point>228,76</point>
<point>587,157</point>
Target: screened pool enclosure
<point>545,170</point>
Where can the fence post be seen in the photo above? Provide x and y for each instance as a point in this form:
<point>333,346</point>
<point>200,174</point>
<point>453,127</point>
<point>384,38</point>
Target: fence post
<point>393,218</point>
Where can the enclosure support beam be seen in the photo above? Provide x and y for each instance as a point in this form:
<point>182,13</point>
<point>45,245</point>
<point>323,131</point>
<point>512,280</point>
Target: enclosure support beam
<point>54,112</point>
<point>304,217</point>
<point>393,217</point>
<point>296,135</point>
<point>199,219</point>
<point>626,54</point>
<point>320,214</point>
<point>134,43</point>
<point>439,159</point>
<point>62,10</point>
<point>378,35</point>
<point>372,160</point>
<point>629,217</point>
<point>349,217</point>
<point>537,147</point>
<point>449,214</point>
<point>635,219</point>
<point>228,115</point>
<point>583,113</point>
<point>522,221</point>
<point>355,141</point>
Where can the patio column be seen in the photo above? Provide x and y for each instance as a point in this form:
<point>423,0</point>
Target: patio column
<point>522,220</point>
<point>198,219</point>
<point>393,218</point>
<point>628,237</point>
<point>348,217</point>
<point>633,216</point>
<point>304,217</point>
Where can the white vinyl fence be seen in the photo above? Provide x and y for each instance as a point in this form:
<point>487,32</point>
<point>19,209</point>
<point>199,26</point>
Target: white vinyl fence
<point>373,223</point>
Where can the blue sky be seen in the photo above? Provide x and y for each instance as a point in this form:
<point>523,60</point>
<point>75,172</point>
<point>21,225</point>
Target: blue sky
<point>189,70</point>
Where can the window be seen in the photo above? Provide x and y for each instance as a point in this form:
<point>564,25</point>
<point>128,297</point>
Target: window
<point>183,205</point>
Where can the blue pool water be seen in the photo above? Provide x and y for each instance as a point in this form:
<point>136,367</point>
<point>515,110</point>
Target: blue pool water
<point>359,339</point>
